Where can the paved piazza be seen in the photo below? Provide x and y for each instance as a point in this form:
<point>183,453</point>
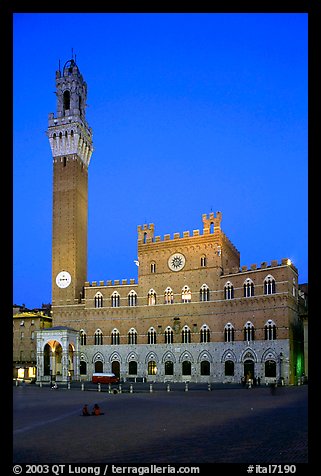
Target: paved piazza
<point>224,425</point>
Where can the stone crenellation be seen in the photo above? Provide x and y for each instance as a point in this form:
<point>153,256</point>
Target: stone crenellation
<point>255,267</point>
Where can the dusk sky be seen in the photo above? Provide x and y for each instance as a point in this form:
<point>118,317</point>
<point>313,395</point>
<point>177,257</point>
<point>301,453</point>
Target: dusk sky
<point>191,113</point>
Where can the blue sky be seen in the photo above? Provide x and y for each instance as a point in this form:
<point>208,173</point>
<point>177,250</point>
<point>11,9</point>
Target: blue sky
<point>191,113</point>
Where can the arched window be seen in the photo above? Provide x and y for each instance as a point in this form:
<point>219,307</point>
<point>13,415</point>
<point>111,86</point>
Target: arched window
<point>205,334</point>
<point>186,335</point>
<point>248,331</point>
<point>204,293</point>
<point>205,367</point>
<point>228,291</point>
<point>269,285</point>
<point>98,337</point>
<point>168,296</point>
<point>83,337</point>
<point>66,99</point>
<point>151,336</point>
<point>99,366</point>
<point>229,368</point>
<point>203,261</point>
<point>132,367</point>
<point>151,297</point>
<point>152,367</point>
<point>83,367</point>
<point>132,298</point>
<point>270,368</point>
<point>229,333</point>
<point>270,330</point>
<point>186,367</point>
<point>248,288</point>
<point>186,294</point>
<point>115,337</point>
<point>115,299</point>
<point>169,367</point>
<point>168,335</point>
<point>98,299</point>
<point>132,336</point>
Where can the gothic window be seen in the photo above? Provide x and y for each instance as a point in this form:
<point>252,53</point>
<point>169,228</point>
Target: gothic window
<point>203,261</point>
<point>153,267</point>
<point>152,367</point>
<point>205,334</point>
<point>186,367</point>
<point>204,293</point>
<point>82,337</point>
<point>83,367</point>
<point>248,288</point>
<point>132,298</point>
<point>228,291</point>
<point>270,368</point>
<point>186,294</point>
<point>98,299</point>
<point>229,368</point>
<point>98,337</point>
<point>132,336</point>
<point>269,285</point>
<point>169,335</point>
<point>229,333</point>
<point>205,367</point>
<point>132,367</point>
<point>168,296</point>
<point>186,335</point>
<point>270,330</point>
<point>248,331</point>
<point>151,297</point>
<point>115,299</point>
<point>151,336</point>
<point>169,367</point>
<point>115,337</point>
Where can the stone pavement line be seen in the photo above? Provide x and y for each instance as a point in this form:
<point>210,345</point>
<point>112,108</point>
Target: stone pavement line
<point>45,422</point>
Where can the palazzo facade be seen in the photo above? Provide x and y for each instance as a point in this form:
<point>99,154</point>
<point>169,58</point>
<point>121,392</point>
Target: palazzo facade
<point>194,314</point>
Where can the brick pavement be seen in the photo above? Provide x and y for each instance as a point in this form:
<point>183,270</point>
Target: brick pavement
<point>230,425</point>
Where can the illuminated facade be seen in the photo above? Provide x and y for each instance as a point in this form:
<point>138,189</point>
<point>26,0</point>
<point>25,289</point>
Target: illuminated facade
<point>194,313</point>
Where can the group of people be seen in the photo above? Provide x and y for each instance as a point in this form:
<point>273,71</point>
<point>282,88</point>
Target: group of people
<point>95,411</point>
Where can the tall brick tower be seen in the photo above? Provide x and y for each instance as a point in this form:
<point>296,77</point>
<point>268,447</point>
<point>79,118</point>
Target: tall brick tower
<point>70,140</point>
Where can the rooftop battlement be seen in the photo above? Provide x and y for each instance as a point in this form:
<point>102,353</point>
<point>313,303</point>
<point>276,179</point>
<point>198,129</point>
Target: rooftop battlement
<point>264,265</point>
<point>110,282</point>
<point>211,225</point>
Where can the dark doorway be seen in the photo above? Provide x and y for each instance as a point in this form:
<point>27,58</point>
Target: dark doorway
<point>115,368</point>
<point>248,369</point>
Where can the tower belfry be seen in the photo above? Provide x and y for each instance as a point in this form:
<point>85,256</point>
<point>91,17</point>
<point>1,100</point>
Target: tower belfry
<point>70,140</point>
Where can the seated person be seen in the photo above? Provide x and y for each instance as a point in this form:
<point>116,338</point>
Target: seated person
<point>85,411</point>
<point>96,410</point>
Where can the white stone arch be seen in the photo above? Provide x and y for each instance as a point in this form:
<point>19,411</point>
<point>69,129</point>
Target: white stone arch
<point>204,355</point>
<point>151,356</point>
<point>115,356</point>
<point>168,356</point>
<point>228,355</point>
<point>248,354</point>
<point>98,356</point>
<point>186,355</point>
<point>269,354</point>
<point>132,356</point>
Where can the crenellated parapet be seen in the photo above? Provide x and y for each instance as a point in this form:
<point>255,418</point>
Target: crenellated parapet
<point>109,282</point>
<point>262,266</point>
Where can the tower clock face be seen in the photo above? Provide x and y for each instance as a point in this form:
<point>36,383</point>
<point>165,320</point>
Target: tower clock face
<point>176,262</point>
<point>63,279</point>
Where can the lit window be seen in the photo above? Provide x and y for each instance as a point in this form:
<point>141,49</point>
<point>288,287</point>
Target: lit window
<point>151,297</point>
<point>186,294</point>
<point>152,367</point>
<point>228,291</point>
<point>168,296</point>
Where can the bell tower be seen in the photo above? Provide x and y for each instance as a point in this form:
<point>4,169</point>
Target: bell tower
<point>71,144</point>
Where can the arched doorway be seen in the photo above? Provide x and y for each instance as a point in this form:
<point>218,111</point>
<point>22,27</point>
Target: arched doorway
<point>248,369</point>
<point>115,368</point>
